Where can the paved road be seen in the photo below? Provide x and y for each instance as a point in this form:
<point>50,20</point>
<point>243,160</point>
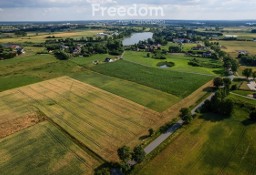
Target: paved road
<point>153,145</point>
<point>250,98</point>
<point>193,112</point>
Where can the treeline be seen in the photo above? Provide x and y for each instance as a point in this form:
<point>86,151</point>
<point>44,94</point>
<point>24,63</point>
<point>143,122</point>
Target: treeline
<point>7,53</point>
<point>85,47</point>
<point>220,103</point>
<point>253,31</point>
<point>248,60</point>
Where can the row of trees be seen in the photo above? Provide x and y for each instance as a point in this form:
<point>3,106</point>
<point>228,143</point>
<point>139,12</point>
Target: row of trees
<point>248,60</point>
<point>220,103</point>
<point>249,73</point>
<point>126,155</point>
<point>7,53</point>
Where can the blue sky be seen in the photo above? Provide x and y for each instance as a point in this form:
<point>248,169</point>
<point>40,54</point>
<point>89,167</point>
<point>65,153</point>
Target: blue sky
<point>54,10</point>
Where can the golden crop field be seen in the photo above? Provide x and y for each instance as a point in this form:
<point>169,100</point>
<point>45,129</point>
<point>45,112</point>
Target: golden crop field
<point>43,149</point>
<point>101,121</point>
<point>42,37</point>
<point>232,47</point>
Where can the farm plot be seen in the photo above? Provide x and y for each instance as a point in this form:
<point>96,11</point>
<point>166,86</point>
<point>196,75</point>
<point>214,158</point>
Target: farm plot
<point>176,83</point>
<point>99,120</point>
<point>43,149</point>
<point>211,145</point>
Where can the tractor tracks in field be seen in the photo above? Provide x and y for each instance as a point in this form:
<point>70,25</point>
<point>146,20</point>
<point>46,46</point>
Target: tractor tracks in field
<point>66,133</point>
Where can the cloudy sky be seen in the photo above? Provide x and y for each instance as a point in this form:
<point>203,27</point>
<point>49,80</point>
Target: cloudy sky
<point>56,10</point>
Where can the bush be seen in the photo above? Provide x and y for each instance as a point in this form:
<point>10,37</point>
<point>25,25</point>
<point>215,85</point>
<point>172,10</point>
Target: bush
<point>253,116</point>
<point>61,55</point>
<point>102,171</point>
<point>138,154</point>
<point>234,87</point>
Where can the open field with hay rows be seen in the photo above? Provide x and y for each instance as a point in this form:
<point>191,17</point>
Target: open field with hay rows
<point>41,37</point>
<point>232,47</point>
<point>43,149</point>
<point>101,121</point>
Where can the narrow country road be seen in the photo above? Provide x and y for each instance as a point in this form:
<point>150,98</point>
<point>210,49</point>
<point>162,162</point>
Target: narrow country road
<point>250,98</point>
<point>153,145</point>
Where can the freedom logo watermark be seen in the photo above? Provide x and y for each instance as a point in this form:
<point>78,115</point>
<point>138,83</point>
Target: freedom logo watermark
<point>110,8</point>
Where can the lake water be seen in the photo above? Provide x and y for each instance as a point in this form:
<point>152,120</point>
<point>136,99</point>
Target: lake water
<point>136,37</point>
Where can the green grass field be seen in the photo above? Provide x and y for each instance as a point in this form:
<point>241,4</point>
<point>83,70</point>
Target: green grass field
<point>185,47</point>
<point>175,83</point>
<point>180,60</point>
<point>43,149</point>
<point>210,145</point>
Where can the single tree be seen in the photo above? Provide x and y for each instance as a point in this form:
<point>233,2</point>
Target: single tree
<point>151,132</point>
<point>186,115</point>
<point>138,154</point>
<point>227,82</point>
<point>124,153</point>
<point>247,73</point>
<point>226,107</point>
<point>218,82</point>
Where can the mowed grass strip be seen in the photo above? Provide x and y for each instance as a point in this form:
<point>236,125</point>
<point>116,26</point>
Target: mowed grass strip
<point>101,121</point>
<point>176,83</point>
<point>43,149</point>
<point>212,144</point>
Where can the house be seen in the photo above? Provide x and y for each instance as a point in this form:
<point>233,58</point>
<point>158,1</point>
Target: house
<point>198,47</point>
<point>230,36</point>
<point>181,40</point>
<point>242,52</point>
<point>77,50</point>
<point>101,35</point>
<point>16,48</point>
<point>207,54</point>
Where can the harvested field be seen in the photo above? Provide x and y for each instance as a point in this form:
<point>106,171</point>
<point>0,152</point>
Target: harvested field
<point>101,121</point>
<point>43,149</point>
<point>18,124</point>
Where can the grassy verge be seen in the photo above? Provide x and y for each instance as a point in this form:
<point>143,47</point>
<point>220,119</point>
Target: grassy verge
<point>212,144</point>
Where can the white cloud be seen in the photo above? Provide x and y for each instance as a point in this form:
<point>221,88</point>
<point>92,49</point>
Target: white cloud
<point>82,10</point>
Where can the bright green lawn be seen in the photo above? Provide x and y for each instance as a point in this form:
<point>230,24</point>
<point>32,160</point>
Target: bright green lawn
<point>175,83</point>
<point>180,60</point>
<point>210,145</point>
